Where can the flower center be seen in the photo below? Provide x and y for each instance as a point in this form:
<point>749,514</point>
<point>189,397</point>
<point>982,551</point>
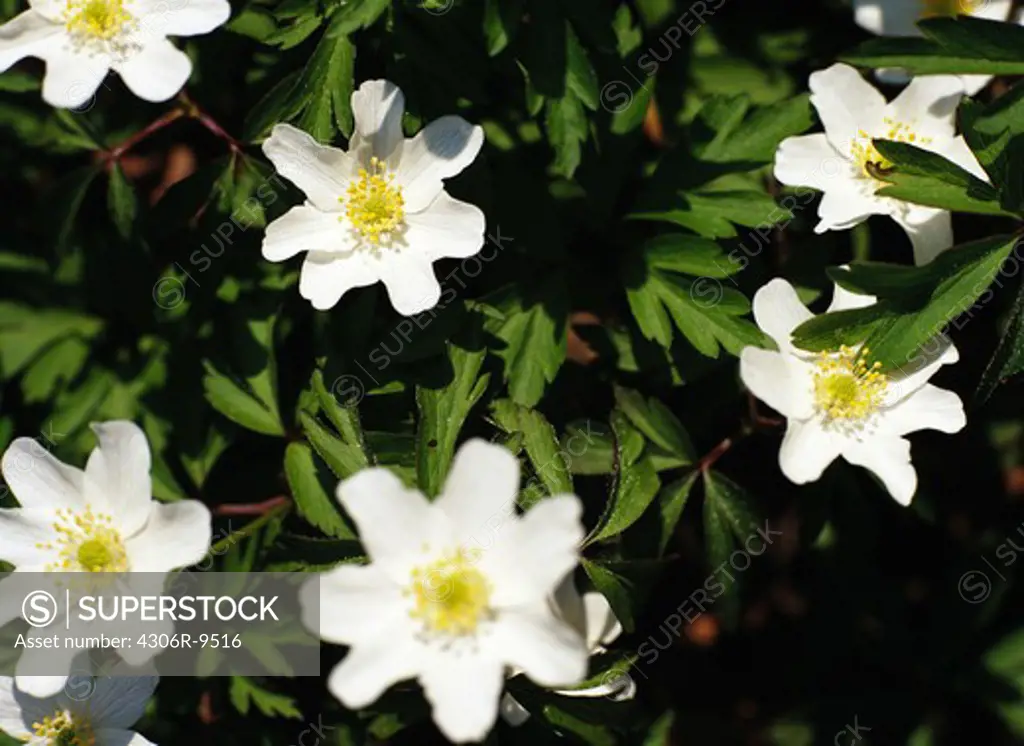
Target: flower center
<point>96,20</point>
<point>934,8</point>
<point>64,729</point>
<point>451,596</point>
<point>374,205</point>
<point>846,389</point>
<point>872,163</point>
<point>86,542</point>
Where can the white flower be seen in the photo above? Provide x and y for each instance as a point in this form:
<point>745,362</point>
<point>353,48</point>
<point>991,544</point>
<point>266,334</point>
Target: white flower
<point>82,40</point>
<point>100,520</point>
<point>835,405</point>
<point>592,617</point>
<point>843,163</point>
<point>900,17</point>
<point>457,591</point>
<point>379,212</point>
<point>78,717</point>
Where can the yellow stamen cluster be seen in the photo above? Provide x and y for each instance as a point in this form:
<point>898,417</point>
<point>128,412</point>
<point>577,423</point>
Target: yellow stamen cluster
<point>86,542</point>
<point>940,8</point>
<point>374,205</point>
<point>451,596</point>
<point>64,729</point>
<point>846,388</point>
<point>874,164</point>
<point>96,20</point>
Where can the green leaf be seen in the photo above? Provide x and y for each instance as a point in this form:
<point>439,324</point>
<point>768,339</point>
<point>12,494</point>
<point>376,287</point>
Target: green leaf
<point>671,501</point>
<point>66,199</point>
<point>26,332</point>
<point>443,412</point>
<point>961,45</point>
<point>344,418</point>
<point>730,517</point>
<point>326,86</point>
<point>542,446</point>
<point>927,178</point>
<point>706,312</point>
<point>533,328</point>
<point>244,694</point>
<point>121,201</point>
<point>238,405</point>
<point>613,587</point>
<point>713,213</point>
<point>636,482</point>
<point>657,423</point>
<point>914,304</point>
<point>755,138</point>
<point>1008,359</point>
<point>312,493</point>
<point>567,128</point>
<point>344,459</point>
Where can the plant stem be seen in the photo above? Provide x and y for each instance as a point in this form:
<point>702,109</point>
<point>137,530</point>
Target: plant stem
<point>154,126</point>
<point>249,529</point>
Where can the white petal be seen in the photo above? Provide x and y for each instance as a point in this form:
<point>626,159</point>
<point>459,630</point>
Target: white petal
<point>325,277</point>
<point>512,712</point>
<point>464,692</point>
<point>480,491</point>
<point>440,150</point>
<point>848,204</point>
<point>550,652</point>
<point>778,311</point>
<point>176,535</point>
<point>321,172</point>
<point>377,107</point>
<point>929,105</point>
<point>23,530</point>
<point>156,72</point>
<point>603,627</point>
<point>889,17</point>
<point>973,84</point>
<point>117,701</point>
<point>393,520</point>
<point>354,603</point>
<point>305,228</point>
<point>928,408</point>
<point>807,450</point>
<point>120,737</point>
<point>847,300</point>
<point>930,231</point>
<point>18,711</point>
<point>777,380</point>
<point>36,659</point>
<point>846,104</point>
<point>889,459</point>
<point>993,10</point>
<point>955,149</point>
<point>921,366</point>
<point>446,228</point>
<point>409,278</point>
<point>533,554</point>
<point>811,161</point>
<point>117,474</point>
<point>176,18</point>
<point>71,78</point>
<point>39,480</point>
<point>28,34</point>
<point>372,666</point>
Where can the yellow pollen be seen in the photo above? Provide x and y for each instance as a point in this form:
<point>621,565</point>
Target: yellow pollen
<point>846,388</point>
<point>86,542</point>
<point>64,729</point>
<point>451,596</point>
<point>872,163</point>
<point>96,19</point>
<point>933,8</point>
<point>374,205</point>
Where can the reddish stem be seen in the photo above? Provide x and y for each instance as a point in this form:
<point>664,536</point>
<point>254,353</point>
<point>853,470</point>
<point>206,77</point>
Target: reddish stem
<point>251,508</point>
<point>714,454</point>
<point>154,126</point>
<point>193,110</point>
